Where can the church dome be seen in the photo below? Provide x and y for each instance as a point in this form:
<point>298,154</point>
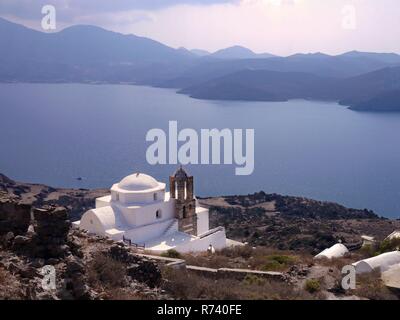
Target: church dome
<point>138,182</point>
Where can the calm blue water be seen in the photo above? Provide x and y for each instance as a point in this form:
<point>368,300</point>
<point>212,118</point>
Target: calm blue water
<point>52,134</point>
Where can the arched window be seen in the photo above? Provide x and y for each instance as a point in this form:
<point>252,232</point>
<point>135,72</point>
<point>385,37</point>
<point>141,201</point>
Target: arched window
<point>155,197</point>
<point>184,213</point>
<point>158,214</point>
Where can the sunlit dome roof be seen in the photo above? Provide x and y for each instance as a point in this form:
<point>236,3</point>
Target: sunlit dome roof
<point>138,182</point>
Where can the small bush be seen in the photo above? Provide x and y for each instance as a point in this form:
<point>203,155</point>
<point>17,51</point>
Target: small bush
<point>278,262</point>
<point>389,245</point>
<point>253,280</point>
<point>171,254</point>
<point>240,251</point>
<point>313,285</point>
<point>272,265</point>
<point>368,250</point>
<point>106,272</point>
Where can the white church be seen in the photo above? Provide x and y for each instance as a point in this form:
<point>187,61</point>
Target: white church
<point>141,212</point>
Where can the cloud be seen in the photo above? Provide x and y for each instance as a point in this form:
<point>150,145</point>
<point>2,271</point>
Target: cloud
<point>281,27</point>
<point>71,9</point>
<point>276,26</point>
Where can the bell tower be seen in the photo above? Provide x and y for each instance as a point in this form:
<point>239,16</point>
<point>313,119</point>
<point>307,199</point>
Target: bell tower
<point>181,188</point>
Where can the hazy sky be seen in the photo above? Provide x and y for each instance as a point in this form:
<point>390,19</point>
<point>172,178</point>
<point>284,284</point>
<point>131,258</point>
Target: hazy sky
<point>276,26</point>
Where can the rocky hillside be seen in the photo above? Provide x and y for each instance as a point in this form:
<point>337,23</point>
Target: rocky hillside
<point>84,267</point>
<point>77,201</point>
<point>38,241</point>
<point>283,222</point>
<point>294,223</point>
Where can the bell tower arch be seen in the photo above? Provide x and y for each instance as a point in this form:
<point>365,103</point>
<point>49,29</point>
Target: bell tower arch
<point>181,188</point>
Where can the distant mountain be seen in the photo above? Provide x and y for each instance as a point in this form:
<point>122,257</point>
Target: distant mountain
<point>5,180</point>
<point>318,64</point>
<point>186,52</point>
<point>263,85</point>
<point>84,53</point>
<point>238,52</point>
<point>200,53</point>
<point>362,80</point>
<point>317,55</point>
<point>376,90</point>
<point>387,101</point>
<point>358,90</point>
<point>384,57</point>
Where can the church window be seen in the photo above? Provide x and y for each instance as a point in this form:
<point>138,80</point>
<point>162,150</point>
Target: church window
<point>184,213</point>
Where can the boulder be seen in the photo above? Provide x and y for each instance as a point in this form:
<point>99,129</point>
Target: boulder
<point>51,227</point>
<point>147,272</point>
<point>14,216</point>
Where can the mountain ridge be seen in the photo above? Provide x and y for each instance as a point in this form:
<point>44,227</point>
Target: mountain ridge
<point>86,54</point>
<point>239,52</point>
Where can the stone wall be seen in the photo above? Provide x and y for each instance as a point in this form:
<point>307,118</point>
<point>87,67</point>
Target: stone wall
<point>238,274</point>
<point>139,267</point>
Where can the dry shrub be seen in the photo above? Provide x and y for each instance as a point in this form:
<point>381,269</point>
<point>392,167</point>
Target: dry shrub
<point>368,251</point>
<point>171,253</point>
<point>378,248</point>
<point>277,262</point>
<point>338,263</point>
<point>244,252</point>
<point>186,285</point>
<point>3,276</point>
<point>371,286</point>
<point>208,260</point>
<point>389,245</point>
<point>106,272</point>
<point>126,294</point>
<point>312,285</point>
<point>246,257</point>
<point>10,287</point>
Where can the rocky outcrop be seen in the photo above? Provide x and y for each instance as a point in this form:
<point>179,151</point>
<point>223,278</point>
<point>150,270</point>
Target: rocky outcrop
<point>5,180</point>
<point>29,248</point>
<point>139,268</point>
<point>15,217</point>
<point>45,238</point>
<point>75,278</point>
<point>51,227</point>
<point>294,223</point>
<point>77,201</point>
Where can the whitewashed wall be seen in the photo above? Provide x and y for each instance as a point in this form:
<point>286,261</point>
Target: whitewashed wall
<point>148,232</point>
<point>217,240</point>
<point>141,216</point>
<point>202,221</point>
